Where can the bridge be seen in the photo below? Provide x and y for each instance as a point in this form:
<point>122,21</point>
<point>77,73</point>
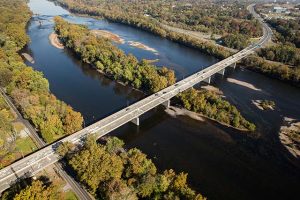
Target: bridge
<point>46,156</point>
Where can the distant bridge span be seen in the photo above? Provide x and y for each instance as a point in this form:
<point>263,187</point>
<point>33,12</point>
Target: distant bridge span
<point>46,156</point>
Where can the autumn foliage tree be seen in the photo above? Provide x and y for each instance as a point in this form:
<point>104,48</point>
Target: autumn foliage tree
<point>28,87</point>
<point>113,174</point>
<point>106,57</point>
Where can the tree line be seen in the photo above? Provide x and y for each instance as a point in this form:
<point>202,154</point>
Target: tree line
<point>212,105</point>
<point>276,70</point>
<point>284,53</point>
<point>235,41</point>
<point>109,59</point>
<point>27,87</point>
<point>6,128</point>
<point>40,189</point>
<point>146,24</point>
<point>111,173</point>
<point>287,30</point>
<point>213,17</point>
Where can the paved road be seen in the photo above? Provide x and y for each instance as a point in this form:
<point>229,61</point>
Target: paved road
<point>46,156</point>
<point>76,187</point>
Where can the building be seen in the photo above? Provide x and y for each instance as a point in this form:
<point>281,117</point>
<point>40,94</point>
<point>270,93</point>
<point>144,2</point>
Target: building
<point>278,9</point>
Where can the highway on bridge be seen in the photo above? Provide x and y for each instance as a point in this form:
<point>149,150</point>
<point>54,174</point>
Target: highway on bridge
<point>46,156</point>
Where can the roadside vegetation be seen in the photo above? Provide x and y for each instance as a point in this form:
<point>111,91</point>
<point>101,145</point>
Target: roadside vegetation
<point>110,172</point>
<point>287,30</point>
<point>213,106</point>
<point>46,186</point>
<point>236,41</point>
<point>32,189</point>
<point>28,88</point>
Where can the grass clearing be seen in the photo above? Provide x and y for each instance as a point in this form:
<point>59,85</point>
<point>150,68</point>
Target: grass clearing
<point>70,195</point>
<point>25,145</point>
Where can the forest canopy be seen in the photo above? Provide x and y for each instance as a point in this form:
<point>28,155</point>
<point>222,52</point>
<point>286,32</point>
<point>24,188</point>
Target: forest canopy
<point>28,88</point>
<point>102,54</point>
<point>110,172</point>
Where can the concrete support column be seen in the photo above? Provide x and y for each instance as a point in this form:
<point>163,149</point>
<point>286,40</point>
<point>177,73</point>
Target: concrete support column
<point>233,65</point>
<point>136,121</point>
<point>222,72</point>
<point>207,80</point>
<point>166,103</point>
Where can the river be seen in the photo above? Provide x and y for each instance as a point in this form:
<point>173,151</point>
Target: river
<point>222,163</point>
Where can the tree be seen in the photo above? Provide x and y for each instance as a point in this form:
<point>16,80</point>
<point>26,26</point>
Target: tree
<point>65,149</point>
<point>38,191</point>
<point>137,164</point>
<point>117,189</point>
<point>72,121</point>
<point>114,144</point>
<point>31,80</point>
<point>94,165</point>
<point>5,76</point>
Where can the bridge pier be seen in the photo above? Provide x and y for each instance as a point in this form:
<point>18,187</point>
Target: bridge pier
<point>233,65</point>
<point>222,72</point>
<point>207,80</point>
<point>166,103</point>
<point>136,121</point>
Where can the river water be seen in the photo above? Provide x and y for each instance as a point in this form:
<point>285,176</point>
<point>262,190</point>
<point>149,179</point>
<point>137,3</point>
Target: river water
<point>222,163</point>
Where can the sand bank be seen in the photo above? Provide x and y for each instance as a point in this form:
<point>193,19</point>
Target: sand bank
<point>28,58</point>
<point>213,89</point>
<point>106,34</point>
<point>289,136</point>
<point>55,41</point>
<point>142,46</point>
<point>242,83</point>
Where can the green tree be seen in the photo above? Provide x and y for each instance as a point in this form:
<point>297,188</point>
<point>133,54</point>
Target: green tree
<point>38,191</point>
<point>94,165</point>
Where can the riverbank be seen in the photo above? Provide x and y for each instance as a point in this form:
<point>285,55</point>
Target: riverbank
<point>175,111</point>
<point>290,136</point>
<point>180,36</point>
<point>54,40</point>
<point>107,57</point>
